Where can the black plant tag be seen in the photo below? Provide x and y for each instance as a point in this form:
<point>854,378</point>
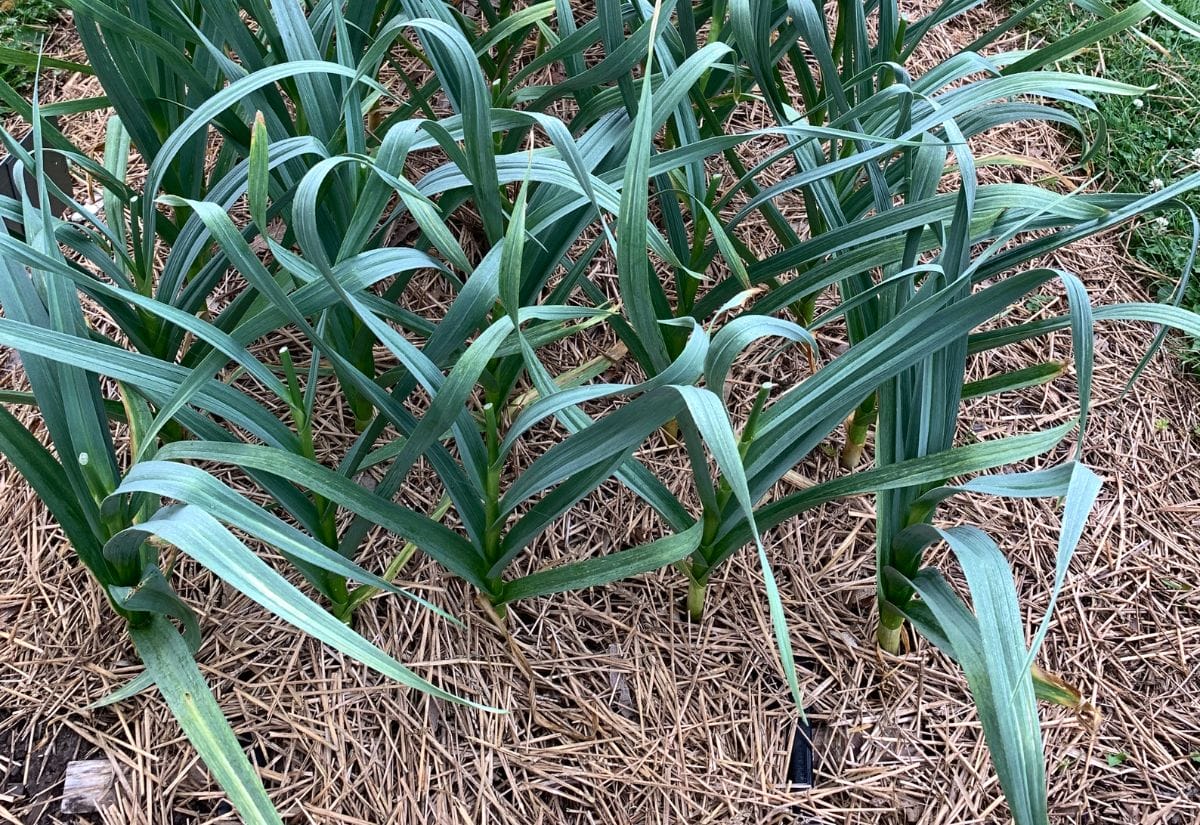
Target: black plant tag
<point>56,170</point>
<point>800,765</point>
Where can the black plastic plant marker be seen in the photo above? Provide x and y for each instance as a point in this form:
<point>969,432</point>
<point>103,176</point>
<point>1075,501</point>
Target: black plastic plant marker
<point>800,765</point>
<point>56,170</point>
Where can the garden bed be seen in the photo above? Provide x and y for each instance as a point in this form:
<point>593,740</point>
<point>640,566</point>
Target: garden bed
<point>621,710</point>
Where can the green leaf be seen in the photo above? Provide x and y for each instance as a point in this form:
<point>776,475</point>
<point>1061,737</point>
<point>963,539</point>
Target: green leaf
<point>205,539</point>
<point>605,569</point>
<point>929,469</point>
<point>1018,379</point>
<point>634,270</point>
<point>154,595</point>
<point>170,665</point>
<point>143,681</point>
<point>989,646</point>
<point>20,57</point>
<point>435,539</point>
<point>1064,47</point>
<point>78,519</point>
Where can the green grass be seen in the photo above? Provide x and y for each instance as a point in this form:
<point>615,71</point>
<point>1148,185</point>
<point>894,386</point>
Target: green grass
<point>1153,139</point>
<point>22,24</point>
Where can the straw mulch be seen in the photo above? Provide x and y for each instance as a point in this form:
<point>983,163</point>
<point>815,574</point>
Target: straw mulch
<point>619,711</point>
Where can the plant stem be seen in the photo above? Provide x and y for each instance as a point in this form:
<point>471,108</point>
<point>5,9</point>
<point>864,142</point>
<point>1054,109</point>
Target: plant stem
<point>343,606</point>
<point>700,563</point>
<point>493,525</point>
<point>889,638</point>
<point>491,503</point>
<point>366,591</point>
<point>888,635</point>
<point>697,590</point>
<point>751,429</point>
<point>856,431</point>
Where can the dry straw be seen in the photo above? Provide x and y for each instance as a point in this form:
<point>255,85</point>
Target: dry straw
<point>290,172</point>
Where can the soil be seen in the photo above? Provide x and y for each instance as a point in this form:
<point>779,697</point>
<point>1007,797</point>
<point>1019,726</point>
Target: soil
<point>33,762</point>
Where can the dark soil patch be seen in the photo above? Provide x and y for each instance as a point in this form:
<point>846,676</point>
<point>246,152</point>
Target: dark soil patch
<point>32,770</point>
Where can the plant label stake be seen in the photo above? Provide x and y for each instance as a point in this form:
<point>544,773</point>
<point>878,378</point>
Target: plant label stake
<point>55,169</point>
<point>800,765</point>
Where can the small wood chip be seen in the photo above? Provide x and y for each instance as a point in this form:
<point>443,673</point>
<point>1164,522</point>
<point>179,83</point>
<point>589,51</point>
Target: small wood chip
<point>622,695</point>
<point>87,787</point>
